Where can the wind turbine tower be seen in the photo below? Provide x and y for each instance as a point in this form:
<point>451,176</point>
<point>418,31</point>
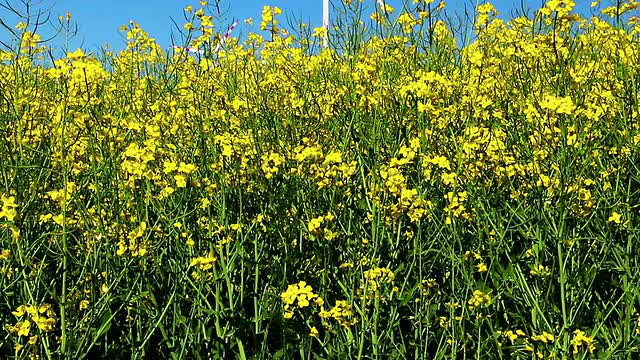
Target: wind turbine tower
<point>325,22</point>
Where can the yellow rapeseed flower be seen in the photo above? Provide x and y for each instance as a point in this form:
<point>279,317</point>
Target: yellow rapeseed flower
<point>615,218</point>
<point>314,332</point>
<point>581,339</point>
<point>8,209</point>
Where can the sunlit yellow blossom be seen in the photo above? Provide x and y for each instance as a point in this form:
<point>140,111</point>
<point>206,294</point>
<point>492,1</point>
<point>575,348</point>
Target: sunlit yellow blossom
<point>342,312</point>
<point>8,209</point>
<point>581,340</point>
<point>540,270</point>
<point>314,332</point>
<point>204,263</point>
<point>544,337</point>
<point>24,328</point>
<point>615,218</point>
<point>300,295</point>
<point>320,32</point>
<point>478,298</point>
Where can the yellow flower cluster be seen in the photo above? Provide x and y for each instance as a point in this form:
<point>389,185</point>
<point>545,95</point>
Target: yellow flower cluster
<point>377,276</point>
<point>135,242</point>
<point>271,163</point>
<point>342,312</point>
<point>319,227</point>
<point>269,21</point>
<point>298,295</point>
<point>540,270</point>
<point>301,295</point>
<point>378,284</point>
<point>203,266</point>
<point>581,339</point>
<point>8,210</point>
<point>407,200</point>
<point>138,39</point>
<point>182,172</point>
<point>511,335</point>
<point>78,68</point>
<point>325,170</point>
<point>5,269</point>
<point>62,196</point>
<point>562,7</point>
<point>238,152</point>
<point>200,22</point>
<point>203,263</point>
<point>545,337</point>
<point>455,206</point>
<point>520,337</point>
<point>481,267</point>
<point>477,299</point>
<point>42,316</point>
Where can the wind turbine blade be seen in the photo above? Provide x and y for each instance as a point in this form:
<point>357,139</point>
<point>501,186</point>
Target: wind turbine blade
<point>226,35</point>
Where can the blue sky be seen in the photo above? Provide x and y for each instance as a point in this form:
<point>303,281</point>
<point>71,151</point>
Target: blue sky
<point>99,21</point>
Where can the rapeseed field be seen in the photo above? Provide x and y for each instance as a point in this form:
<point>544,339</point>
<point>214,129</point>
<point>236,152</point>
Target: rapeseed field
<point>401,194</point>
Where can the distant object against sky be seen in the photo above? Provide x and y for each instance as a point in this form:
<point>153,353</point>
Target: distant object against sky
<point>99,21</point>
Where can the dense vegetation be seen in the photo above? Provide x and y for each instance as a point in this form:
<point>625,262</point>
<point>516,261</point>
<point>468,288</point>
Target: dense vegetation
<point>396,195</point>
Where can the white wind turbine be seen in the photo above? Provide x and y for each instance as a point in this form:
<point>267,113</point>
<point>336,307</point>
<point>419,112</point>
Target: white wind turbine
<point>325,19</point>
<point>325,22</point>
